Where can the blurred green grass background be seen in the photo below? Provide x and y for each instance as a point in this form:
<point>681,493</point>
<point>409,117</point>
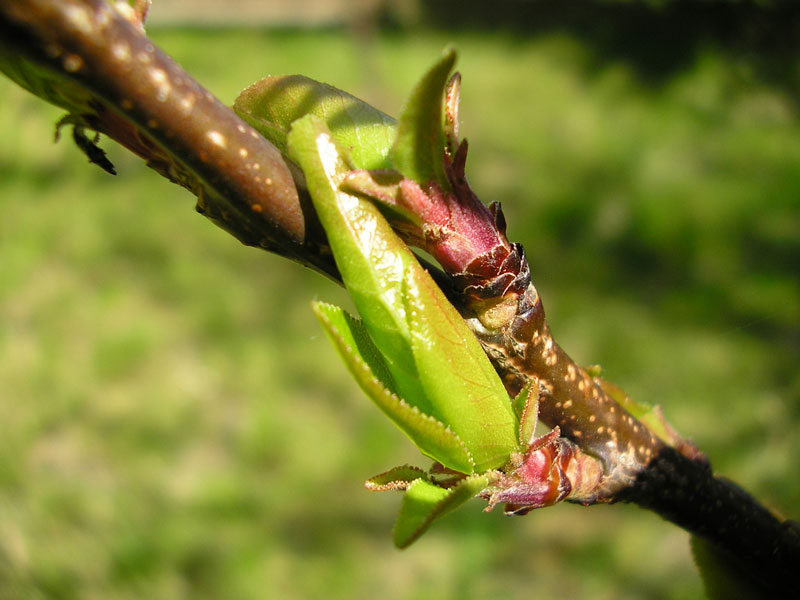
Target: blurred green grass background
<point>174,425</point>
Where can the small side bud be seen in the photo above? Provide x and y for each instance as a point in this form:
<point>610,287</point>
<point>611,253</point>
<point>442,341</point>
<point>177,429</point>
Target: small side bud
<point>553,469</point>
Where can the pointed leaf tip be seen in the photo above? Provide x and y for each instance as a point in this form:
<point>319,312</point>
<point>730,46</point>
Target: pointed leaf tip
<point>418,152</point>
<point>365,363</point>
<point>397,478</point>
<point>425,502</point>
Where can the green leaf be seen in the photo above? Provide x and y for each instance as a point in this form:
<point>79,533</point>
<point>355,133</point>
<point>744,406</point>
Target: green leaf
<point>526,406</point>
<point>371,258</point>
<point>271,106</point>
<point>418,152</point>
<point>47,84</point>
<point>437,366</point>
<point>383,187</point>
<point>457,376</point>
<point>350,334</point>
<point>425,502</point>
<point>366,365</point>
<point>397,478</point>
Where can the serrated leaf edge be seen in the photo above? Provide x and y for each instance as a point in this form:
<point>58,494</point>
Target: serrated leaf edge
<point>419,146</point>
<point>392,405</point>
<point>394,479</point>
<point>449,502</point>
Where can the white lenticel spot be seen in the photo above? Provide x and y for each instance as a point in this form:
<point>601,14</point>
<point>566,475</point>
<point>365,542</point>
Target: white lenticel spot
<point>121,51</point>
<point>72,63</point>
<point>216,138</point>
<point>187,103</point>
<point>79,18</point>
<point>159,79</point>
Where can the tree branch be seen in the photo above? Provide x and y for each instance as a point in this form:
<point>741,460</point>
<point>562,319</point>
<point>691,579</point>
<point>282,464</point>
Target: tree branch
<point>113,79</point>
<point>85,56</point>
<point>764,549</point>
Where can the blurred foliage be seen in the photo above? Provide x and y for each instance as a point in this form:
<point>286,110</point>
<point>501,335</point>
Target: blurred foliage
<point>659,38</point>
<point>175,425</point>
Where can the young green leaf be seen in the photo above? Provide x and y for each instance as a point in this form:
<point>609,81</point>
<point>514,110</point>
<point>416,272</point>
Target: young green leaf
<point>418,152</point>
<point>396,478</point>
<point>367,367</point>
<point>350,334</point>
<point>457,375</point>
<point>274,103</point>
<point>436,364</point>
<point>526,406</point>
<point>371,258</point>
<point>424,502</point>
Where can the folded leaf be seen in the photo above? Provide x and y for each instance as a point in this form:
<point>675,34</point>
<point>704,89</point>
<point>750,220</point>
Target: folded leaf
<point>526,406</point>
<point>271,106</point>
<point>425,502</point>
<point>418,152</point>
<point>457,376</point>
<point>397,478</point>
<point>436,364</point>
<point>429,435</point>
<point>371,258</point>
